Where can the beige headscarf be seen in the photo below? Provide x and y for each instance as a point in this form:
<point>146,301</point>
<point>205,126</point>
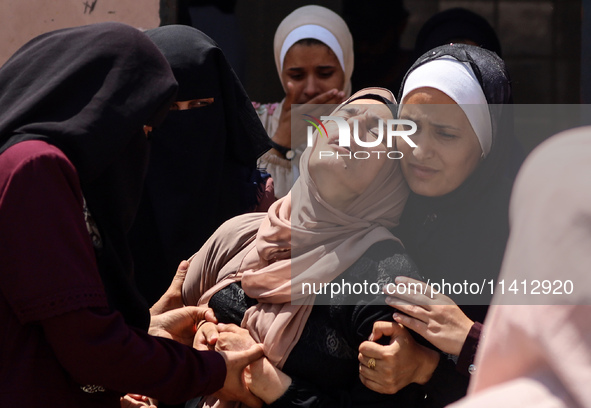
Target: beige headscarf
<point>538,354</point>
<point>302,238</point>
<point>325,19</point>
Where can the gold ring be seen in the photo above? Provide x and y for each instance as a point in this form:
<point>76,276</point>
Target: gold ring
<point>371,363</point>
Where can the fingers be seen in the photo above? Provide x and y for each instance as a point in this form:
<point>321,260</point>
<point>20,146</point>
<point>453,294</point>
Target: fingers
<point>373,385</point>
<point>371,374</point>
<point>290,96</point>
<point>240,359</point>
<point>412,291</point>
<point>381,329</point>
<point>415,311</point>
<point>200,342</point>
<point>367,361</point>
<point>135,401</point>
<point>333,96</point>
<point>179,276</point>
<point>209,334</point>
<point>231,328</point>
<point>172,298</point>
<point>199,313</point>
<point>414,324</point>
<point>370,349</point>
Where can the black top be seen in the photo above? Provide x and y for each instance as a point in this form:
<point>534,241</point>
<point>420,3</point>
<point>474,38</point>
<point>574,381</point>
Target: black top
<point>202,163</point>
<point>323,364</point>
<point>462,235</point>
<point>88,91</point>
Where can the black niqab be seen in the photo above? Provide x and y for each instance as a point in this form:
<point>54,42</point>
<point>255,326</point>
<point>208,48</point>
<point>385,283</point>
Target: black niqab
<point>88,91</point>
<point>202,163</point>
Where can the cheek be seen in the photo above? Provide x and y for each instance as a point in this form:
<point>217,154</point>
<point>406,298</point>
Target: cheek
<point>337,80</point>
<point>461,166</point>
<point>403,147</point>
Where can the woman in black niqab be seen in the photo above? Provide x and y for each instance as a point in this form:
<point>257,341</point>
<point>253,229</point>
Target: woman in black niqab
<point>90,98</point>
<point>203,160</point>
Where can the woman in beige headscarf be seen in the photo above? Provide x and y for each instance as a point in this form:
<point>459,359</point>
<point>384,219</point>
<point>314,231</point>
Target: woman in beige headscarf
<point>536,350</point>
<point>332,228</point>
<point>314,58</point>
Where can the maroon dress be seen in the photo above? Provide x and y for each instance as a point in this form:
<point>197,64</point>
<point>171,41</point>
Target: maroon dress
<point>60,343</point>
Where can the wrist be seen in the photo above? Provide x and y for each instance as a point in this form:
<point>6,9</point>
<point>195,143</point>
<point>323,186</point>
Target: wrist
<point>267,382</point>
<point>429,363</point>
<point>281,150</point>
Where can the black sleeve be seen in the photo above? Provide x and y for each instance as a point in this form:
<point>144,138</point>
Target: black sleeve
<point>381,263</point>
<point>447,385</point>
<point>302,394</point>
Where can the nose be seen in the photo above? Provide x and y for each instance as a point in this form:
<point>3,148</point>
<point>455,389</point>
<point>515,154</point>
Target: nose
<point>311,88</point>
<point>358,124</point>
<point>424,149</point>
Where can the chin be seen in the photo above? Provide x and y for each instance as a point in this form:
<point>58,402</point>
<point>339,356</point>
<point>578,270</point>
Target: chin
<point>424,189</point>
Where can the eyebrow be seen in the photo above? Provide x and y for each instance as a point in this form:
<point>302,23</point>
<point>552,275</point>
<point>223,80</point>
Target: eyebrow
<point>441,126</point>
<point>350,111</point>
<point>437,125</point>
<point>353,111</point>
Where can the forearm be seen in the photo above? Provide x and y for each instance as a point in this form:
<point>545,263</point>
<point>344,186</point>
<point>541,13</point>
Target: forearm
<point>96,347</point>
<point>267,382</point>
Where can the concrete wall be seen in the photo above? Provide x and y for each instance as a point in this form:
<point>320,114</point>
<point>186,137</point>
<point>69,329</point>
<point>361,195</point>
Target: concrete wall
<point>541,41</point>
<point>21,20</point>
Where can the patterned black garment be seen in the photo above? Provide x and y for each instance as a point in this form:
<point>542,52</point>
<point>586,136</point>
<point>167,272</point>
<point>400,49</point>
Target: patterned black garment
<point>323,365</point>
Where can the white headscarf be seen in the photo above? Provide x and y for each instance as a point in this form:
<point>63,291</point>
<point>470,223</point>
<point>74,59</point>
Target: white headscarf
<point>457,80</point>
<point>321,24</point>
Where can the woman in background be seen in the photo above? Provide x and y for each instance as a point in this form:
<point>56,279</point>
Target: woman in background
<point>73,156</point>
<point>313,52</point>
<point>203,168</point>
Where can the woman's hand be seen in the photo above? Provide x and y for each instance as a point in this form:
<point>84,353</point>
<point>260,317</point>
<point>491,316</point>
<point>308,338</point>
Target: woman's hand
<point>233,338</point>
<point>282,135</point>
<point>235,387</point>
<point>261,378</point>
<point>266,381</point>
<point>172,298</point>
<point>137,401</point>
<point>180,324</point>
<point>206,337</point>
<point>432,315</point>
<point>396,365</point>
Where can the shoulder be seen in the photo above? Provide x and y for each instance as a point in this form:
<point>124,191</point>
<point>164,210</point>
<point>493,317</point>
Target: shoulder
<point>30,151</point>
<point>390,260</point>
<point>269,114</point>
<point>38,161</point>
<point>265,108</point>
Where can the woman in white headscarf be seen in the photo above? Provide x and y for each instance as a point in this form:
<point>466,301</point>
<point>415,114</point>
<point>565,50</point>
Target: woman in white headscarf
<point>455,223</point>
<point>314,58</point>
<point>536,350</point>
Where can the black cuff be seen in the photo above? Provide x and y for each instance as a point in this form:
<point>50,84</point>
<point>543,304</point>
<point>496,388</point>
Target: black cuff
<point>286,152</point>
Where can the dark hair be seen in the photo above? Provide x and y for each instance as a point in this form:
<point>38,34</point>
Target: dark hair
<point>309,42</point>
